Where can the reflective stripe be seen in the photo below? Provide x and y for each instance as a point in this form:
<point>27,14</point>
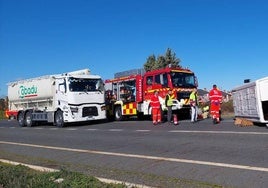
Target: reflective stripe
<point>186,101</point>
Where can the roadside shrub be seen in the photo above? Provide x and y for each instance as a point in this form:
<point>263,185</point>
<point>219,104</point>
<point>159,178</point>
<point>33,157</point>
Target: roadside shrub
<point>2,114</point>
<point>227,107</point>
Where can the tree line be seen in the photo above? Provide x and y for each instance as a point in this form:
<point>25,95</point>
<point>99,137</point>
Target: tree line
<point>162,61</point>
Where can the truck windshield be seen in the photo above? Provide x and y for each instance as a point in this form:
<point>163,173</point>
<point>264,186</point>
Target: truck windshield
<point>181,79</point>
<point>85,85</point>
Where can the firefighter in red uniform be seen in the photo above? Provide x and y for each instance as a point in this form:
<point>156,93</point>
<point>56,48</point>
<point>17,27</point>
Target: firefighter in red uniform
<point>215,97</point>
<point>156,111</point>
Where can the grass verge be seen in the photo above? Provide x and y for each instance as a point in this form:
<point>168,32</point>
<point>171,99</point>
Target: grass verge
<point>12,176</point>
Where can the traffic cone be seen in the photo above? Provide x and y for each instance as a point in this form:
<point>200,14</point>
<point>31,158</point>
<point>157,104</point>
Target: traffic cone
<point>175,119</point>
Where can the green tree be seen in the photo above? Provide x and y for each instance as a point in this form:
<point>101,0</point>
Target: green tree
<point>162,61</point>
<point>3,104</point>
<point>150,63</point>
<point>171,58</point>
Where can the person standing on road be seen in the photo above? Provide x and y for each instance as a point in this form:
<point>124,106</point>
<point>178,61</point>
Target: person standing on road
<point>215,97</point>
<point>156,111</point>
<point>168,103</point>
<point>194,105</point>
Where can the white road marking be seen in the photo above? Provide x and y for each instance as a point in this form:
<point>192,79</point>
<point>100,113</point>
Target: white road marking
<point>92,129</point>
<point>53,128</point>
<point>115,129</point>
<point>219,132</point>
<point>71,129</point>
<point>172,131</point>
<point>142,130</point>
<point>208,163</point>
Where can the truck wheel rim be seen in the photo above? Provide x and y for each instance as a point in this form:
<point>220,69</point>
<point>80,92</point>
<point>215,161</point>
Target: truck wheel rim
<point>28,120</point>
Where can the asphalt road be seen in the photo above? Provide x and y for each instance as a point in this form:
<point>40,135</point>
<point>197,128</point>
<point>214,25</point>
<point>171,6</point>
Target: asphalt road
<point>186,155</point>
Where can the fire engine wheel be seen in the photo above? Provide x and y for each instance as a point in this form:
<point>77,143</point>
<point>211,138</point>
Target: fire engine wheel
<point>59,119</point>
<point>21,120</point>
<point>28,119</point>
<point>118,113</point>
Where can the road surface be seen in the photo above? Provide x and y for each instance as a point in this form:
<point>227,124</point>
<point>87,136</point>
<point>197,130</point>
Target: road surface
<point>187,155</point>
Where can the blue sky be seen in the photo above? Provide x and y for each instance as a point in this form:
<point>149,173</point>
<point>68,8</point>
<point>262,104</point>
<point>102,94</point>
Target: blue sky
<point>222,41</point>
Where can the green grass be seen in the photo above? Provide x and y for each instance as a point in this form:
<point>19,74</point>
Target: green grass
<point>17,176</point>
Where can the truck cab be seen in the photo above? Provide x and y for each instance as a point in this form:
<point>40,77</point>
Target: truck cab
<point>180,81</point>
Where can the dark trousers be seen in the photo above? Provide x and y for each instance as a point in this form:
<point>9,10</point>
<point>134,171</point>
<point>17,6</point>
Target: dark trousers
<point>169,113</point>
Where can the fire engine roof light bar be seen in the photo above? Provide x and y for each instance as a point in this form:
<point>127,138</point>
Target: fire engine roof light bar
<point>129,72</point>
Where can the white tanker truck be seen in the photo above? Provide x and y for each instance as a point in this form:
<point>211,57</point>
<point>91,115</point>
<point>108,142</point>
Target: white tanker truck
<point>59,99</point>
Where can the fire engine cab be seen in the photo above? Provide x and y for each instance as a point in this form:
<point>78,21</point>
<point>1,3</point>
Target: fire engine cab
<point>129,93</point>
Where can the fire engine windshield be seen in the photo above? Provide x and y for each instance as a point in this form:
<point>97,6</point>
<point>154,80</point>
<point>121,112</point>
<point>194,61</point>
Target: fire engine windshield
<point>85,85</point>
<point>182,79</point>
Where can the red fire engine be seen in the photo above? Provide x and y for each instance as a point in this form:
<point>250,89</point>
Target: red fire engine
<point>129,93</point>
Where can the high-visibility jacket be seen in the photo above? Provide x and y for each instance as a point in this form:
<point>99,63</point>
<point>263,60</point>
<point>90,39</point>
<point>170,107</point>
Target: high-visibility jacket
<point>193,99</point>
<point>215,96</point>
<point>155,103</point>
<point>169,100</point>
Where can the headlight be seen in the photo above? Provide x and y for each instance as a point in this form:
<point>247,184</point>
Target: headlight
<point>74,109</point>
<point>103,108</point>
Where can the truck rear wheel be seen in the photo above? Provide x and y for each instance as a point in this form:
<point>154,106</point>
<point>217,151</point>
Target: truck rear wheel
<point>21,119</point>
<point>28,119</point>
<point>59,119</point>
<point>118,113</point>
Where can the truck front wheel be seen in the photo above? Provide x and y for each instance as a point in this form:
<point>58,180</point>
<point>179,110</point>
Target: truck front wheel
<point>59,119</point>
<point>21,119</point>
